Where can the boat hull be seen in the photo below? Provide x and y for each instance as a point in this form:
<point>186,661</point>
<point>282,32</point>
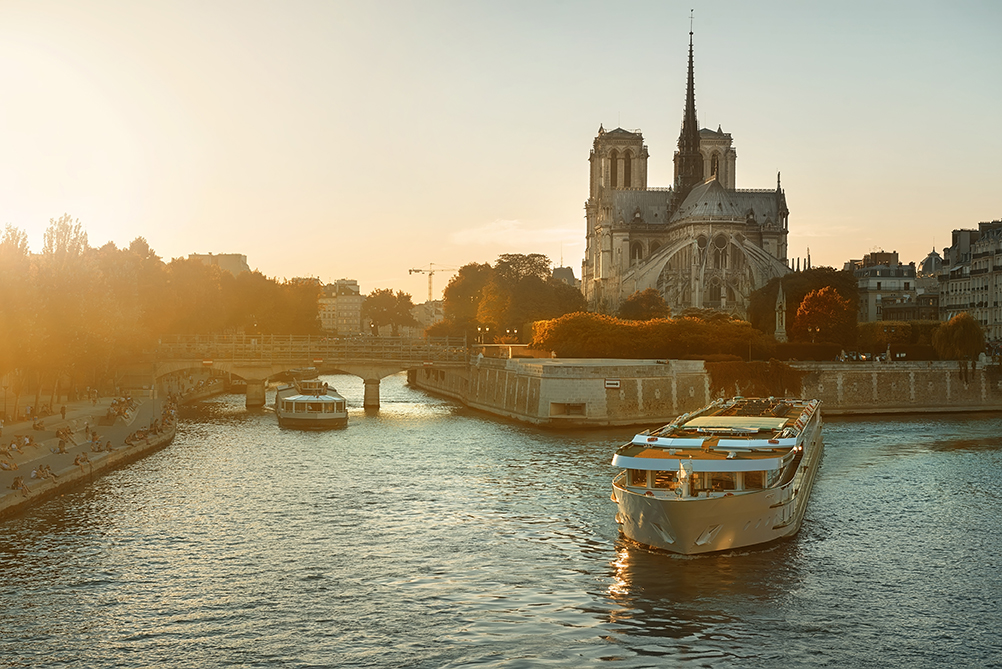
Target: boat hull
<point>313,423</point>
<point>718,522</point>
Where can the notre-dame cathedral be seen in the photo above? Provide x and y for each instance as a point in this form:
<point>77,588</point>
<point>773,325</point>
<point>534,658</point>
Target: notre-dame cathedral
<point>700,243</point>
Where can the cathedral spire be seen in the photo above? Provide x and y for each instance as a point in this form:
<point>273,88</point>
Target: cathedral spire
<point>688,159</point>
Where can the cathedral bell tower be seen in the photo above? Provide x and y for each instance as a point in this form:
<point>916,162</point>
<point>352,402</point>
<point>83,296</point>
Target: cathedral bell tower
<point>688,158</point>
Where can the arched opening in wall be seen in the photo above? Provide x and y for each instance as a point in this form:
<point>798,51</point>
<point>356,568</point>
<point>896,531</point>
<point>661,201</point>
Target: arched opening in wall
<point>636,252</point>
<point>654,247</point>
<point>731,299</point>
<point>614,169</point>
<point>715,165</point>
<point>627,169</point>
<point>713,295</point>
<point>720,252</point>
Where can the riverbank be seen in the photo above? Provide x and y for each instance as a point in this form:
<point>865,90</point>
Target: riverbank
<point>83,416</point>
<point>574,393</point>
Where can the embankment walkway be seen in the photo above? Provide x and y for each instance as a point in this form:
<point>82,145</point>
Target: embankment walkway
<point>80,416</point>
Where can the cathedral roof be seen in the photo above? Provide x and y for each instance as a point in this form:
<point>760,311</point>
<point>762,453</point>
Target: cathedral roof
<point>711,200</point>
<point>651,204</point>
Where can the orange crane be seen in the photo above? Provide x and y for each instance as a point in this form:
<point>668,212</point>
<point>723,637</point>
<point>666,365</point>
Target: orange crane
<point>432,268</point>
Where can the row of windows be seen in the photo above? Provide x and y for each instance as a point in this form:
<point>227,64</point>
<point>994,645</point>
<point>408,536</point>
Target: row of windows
<point>313,407</point>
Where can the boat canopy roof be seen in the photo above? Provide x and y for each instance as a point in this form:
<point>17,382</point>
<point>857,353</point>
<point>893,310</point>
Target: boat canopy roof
<point>312,398</point>
<point>738,423</point>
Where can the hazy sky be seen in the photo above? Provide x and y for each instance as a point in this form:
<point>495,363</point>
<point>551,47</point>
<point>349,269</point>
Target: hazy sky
<point>362,139</point>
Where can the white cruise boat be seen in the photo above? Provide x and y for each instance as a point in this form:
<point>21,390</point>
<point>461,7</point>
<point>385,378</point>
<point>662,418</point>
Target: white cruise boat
<point>735,473</point>
<point>310,404</point>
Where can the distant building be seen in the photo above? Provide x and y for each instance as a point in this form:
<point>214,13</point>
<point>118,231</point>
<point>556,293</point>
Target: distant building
<point>566,275</point>
<point>971,277</point>
<point>882,279</point>
<point>234,263</point>
<point>340,307</point>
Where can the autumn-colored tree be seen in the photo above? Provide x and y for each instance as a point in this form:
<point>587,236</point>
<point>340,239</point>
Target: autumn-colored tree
<point>796,285</point>
<point>824,316</point>
<point>644,305</point>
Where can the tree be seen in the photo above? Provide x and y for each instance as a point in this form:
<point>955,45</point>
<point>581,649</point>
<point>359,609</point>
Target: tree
<point>644,305</point>
<point>960,339</point>
<point>383,307</point>
<point>796,285</point>
<point>824,316</point>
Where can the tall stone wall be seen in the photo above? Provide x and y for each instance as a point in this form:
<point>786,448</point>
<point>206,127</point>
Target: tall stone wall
<point>575,393</point>
<point>901,387</point>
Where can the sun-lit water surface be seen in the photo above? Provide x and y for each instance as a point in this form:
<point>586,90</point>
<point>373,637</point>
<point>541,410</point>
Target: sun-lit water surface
<point>428,535</point>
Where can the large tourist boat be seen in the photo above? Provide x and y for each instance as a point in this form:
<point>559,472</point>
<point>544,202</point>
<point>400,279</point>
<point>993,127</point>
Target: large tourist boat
<point>310,404</point>
<point>735,473</point>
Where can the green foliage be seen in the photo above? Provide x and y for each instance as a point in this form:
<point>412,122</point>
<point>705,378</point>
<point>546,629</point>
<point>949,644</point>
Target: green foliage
<point>384,307</point>
<point>507,297</point>
<point>960,339</point>
<point>644,306</point>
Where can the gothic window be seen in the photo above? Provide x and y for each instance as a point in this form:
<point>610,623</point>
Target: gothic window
<point>614,169</point>
<point>720,252</point>
<point>654,247</point>
<point>715,165</point>
<point>636,252</point>
<point>715,293</point>
<point>628,170</point>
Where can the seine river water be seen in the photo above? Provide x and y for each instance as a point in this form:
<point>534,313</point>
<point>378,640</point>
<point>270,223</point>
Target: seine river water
<point>428,535</point>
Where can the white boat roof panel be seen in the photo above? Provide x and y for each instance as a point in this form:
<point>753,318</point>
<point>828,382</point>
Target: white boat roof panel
<point>750,423</point>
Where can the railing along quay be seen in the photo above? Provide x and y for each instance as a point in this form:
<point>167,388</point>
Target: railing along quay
<point>308,349</point>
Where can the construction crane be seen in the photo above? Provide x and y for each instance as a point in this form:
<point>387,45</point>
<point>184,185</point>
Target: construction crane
<point>432,268</point>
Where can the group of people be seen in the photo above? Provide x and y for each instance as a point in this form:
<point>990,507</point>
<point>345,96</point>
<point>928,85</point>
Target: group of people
<point>121,406</point>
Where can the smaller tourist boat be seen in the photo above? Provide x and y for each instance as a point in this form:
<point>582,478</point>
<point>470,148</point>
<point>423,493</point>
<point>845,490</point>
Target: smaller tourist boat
<point>735,473</point>
<point>310,404</point>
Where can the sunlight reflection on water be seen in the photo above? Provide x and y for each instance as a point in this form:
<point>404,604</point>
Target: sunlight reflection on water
<point>429,535</point>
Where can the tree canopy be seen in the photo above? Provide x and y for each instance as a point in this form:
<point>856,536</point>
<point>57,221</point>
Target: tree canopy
<point>644,305</point>
<point>824,316</point>
<point>505,298</point>
<point>796,286</point>
<point>384,307</point>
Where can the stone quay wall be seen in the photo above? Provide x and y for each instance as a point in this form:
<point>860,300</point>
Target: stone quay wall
<point>901,387</point>
<point>13,502</point>
<point>605,392</point>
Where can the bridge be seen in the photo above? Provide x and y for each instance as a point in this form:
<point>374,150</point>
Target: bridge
<point>256,358</point>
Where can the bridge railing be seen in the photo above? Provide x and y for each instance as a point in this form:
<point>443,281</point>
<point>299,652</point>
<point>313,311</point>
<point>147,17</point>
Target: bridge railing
<point>308,348</point>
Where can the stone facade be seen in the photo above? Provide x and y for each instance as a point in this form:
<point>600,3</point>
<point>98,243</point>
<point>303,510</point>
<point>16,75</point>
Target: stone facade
<point>700,243</point>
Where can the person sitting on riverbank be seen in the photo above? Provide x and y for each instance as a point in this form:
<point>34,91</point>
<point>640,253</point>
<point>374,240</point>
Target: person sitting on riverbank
<point>37,424</point>
<point>19,484</point>
<point>108,446</point>
<point>7,464</point>
<point>81,460</point>
<point>61,448</point>
<point>43,471</point>
<point>15,445</point>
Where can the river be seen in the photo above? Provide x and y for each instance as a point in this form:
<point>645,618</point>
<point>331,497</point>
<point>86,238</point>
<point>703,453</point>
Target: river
<point>430,535</point>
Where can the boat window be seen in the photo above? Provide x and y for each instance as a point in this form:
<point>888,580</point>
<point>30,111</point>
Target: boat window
<point>754,480</point>
<point>696,482</point>
<point>638,477</point>
<point>300,407</point>
<point>340,406</point>
<point>665,479</point>
<point>722,480</point>
<point>772,477</point>
<point>315,407</point>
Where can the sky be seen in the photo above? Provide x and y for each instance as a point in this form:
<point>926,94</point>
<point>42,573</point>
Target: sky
<point>366,139</point>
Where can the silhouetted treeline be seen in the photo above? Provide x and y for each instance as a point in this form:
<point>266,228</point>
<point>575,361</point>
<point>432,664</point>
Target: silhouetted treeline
<point>73,311</point>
